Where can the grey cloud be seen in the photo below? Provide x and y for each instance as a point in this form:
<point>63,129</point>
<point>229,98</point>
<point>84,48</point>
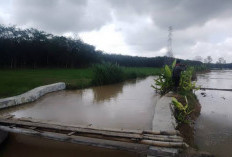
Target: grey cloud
<point>178,13</point>
<point>61,16</point>
<point>191,20</point>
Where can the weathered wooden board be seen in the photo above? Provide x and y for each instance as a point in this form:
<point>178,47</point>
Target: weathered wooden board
<point>70,129</point>
<point>215,89</point>
<point>116,145</point>
<point>39,128</point>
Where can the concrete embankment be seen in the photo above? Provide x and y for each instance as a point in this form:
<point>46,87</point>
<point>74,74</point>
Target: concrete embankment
<point>31,95</point>
<point>164,120</point>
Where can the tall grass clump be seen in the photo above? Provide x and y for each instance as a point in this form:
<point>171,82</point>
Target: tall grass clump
<point>107,73</point>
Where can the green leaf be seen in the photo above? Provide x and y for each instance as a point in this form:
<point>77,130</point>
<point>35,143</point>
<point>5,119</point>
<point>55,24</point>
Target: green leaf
<point>173,64</point>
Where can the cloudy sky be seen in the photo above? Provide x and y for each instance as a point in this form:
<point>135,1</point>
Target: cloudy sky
<point>132,27</point>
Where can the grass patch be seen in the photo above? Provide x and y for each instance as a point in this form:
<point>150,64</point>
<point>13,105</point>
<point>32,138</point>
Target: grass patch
<point>14,82</point>
<point>107,73</point>
<point>134,72</point>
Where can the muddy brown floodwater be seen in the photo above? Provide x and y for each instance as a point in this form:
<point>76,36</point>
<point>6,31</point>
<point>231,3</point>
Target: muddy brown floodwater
<point>127,105</point>
<point>214,125</point>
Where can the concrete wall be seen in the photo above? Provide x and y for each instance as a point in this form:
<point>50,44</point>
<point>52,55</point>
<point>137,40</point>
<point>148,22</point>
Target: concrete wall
<point>31,95</point>
<point>164,119</point>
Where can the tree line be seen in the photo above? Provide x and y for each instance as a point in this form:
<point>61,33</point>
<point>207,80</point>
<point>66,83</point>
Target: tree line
<point>32,48</point>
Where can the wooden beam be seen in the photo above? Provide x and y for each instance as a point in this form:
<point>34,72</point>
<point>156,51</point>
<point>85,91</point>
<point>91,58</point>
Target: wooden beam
<point>68,129</point>
<point>215,89</point>
<point>160,139</point>
<point>116,145</point>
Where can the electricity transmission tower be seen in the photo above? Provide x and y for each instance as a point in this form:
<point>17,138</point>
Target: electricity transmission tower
<point>169,52</point>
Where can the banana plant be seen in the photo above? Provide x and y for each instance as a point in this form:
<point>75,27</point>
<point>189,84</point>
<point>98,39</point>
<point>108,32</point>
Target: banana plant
<point>182,110</point>
<point>163,84</point>
<point>186,83</point>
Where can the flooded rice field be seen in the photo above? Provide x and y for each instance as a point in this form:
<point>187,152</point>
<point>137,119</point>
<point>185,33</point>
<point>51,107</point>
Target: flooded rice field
<point>214,125</point>
<point>127,105</point>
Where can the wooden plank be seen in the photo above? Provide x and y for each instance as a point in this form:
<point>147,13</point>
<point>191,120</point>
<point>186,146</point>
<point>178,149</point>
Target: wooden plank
<point>163,139</point>
<point>215,89</point>
<point>164,136</point>
<point>71,133</point>
<point>71,129</point>
<point>81,126</point>
<point>116,145</point>
<point>170,133</point>
<point>8,116</point>
<point>165,144</point>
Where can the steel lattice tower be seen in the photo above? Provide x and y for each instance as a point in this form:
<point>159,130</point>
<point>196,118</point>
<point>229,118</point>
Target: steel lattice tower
<point>169,52</point>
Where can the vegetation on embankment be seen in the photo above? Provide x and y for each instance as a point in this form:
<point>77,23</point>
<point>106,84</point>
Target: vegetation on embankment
<point>187,128</point>
<point>18,81</point>
<point>185,102</point>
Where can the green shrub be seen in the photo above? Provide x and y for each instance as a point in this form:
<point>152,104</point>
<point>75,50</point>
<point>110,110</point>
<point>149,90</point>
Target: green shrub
<point>182,111</point>
<point>164,83</point>
<point>186,83</point>
<point>107,73</point>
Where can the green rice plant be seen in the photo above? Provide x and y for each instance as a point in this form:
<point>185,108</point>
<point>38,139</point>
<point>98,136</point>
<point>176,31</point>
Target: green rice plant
<point>181,111</point>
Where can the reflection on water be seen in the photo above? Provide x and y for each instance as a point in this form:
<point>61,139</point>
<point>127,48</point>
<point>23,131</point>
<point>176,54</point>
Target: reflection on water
<point>27,146</point>
<point>125,105</point>
<point>214,125</point>
<point>112,92</point>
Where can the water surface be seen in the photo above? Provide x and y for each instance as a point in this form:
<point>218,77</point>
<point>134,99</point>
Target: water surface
<point>127,105</point>
<point>214,125</point>
<point>124,105</point>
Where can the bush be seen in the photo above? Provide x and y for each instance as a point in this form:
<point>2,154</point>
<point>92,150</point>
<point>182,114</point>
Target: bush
<point>182,111</point>
<point>107,73</point>
<point>186,83</point>
<point>164,83</point>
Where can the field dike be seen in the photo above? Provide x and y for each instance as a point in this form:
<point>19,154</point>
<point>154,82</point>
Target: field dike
<point>31,95</point>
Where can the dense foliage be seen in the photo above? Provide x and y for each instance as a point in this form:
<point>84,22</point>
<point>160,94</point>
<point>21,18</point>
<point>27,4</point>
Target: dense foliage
<point>181,111</point>
<point>107,73</point>
<point>186,83</point>
<point>31,48</point>
<point>219,66</point>
<point>164,82</point>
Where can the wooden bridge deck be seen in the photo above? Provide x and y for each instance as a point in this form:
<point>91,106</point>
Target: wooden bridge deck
<point>119,139</point>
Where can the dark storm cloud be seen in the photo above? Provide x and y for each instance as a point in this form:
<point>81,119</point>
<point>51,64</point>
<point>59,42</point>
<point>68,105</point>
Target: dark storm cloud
<point>61,16</point>
<point>79,15</point>
<point>143,24</point>
<point>178,13</point>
